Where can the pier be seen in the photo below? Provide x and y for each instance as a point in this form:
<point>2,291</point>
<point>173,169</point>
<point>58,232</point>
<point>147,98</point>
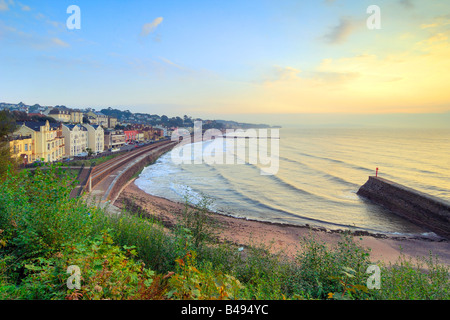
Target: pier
<point>420,208</point>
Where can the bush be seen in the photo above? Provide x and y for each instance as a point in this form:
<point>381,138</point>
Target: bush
<point>43,232</point>
<point>207,283</point>
<point>424,279</point>
<point>156,247</point>
<point>322,270</point>
<point>106,271</point>
<point>37,214</point>
<point>197,223</point>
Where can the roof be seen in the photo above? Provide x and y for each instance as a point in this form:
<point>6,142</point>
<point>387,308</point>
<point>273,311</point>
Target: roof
<point>19,137</point>
<point>72,126</point>
<point>36,125</point>
<point>95,126</point>
<point>59,111</point>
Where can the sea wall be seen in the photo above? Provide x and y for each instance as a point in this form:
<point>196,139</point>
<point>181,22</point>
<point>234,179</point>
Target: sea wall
<point>134,167</point>
<point>421,209</point>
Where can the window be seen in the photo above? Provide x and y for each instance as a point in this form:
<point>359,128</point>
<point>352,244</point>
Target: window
<point>26,147</point>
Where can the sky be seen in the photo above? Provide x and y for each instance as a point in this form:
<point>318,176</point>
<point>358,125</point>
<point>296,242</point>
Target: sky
<point>276,62</point>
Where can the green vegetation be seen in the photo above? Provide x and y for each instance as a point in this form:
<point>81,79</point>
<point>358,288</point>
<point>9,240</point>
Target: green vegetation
<point>94,161</point>
<point>7,126</point>
<point>127,256</point>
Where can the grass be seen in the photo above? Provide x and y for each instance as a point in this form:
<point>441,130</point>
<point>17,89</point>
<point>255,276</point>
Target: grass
<point>94,161</point>
<point>127,256</point>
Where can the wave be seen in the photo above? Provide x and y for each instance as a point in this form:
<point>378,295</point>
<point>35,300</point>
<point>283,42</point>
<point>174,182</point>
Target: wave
<point>347,164</point>
<point>329,175</point>
<point>313,185</point>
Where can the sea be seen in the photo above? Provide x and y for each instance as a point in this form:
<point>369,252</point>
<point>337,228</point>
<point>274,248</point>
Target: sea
<point>314,179</point>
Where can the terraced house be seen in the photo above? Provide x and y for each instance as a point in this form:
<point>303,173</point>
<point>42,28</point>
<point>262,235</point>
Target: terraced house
<point>75,139</point>
<point>96,137</point>
<point>21,148</point>
<point>62,115</point>
<point>47,143</point>
<point>97,118</point>
<point>76,116</point>
<point>114,139</point>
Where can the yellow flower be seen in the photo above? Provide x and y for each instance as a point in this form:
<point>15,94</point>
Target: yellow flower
<point>330,295</point>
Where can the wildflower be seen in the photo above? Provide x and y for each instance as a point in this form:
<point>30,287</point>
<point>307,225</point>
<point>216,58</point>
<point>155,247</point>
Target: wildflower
<point>330,295</point>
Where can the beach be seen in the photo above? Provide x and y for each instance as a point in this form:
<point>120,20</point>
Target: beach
<point>286,238</point>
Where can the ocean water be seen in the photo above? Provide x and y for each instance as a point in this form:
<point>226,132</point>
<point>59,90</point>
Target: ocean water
<point>319,172</point>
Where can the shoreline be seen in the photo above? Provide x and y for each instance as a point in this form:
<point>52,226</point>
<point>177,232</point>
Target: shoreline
<point>286,237</point>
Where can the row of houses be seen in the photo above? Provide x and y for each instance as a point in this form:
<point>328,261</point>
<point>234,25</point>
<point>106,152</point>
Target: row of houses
<point>50,142</point>
<point>67,115</point>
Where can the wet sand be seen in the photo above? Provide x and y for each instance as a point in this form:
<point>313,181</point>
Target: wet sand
<point>286,238</point>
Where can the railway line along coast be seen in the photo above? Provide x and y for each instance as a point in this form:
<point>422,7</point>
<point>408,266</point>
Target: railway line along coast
<point>103,183</point>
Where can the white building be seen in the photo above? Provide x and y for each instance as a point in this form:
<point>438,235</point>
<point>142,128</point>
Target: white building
<point>96,137</point>
<point>75,139</point>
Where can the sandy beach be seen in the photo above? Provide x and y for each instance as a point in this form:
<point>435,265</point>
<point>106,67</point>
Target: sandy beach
<point>244,232</point>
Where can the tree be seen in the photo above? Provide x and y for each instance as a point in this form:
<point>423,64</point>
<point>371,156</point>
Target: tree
<point>7,126</point>
<point>89,151</point>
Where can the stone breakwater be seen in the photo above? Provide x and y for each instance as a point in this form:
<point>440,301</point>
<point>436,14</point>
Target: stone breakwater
<point>422,209</point>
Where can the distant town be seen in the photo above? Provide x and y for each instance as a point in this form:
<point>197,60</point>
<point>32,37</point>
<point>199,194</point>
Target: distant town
<point>59,133</point>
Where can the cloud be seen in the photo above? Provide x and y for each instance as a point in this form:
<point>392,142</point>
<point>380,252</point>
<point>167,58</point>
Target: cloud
<point>407,4</point>
<point>341,32</point>
<point>440,21</point>
<point>60,42</point>
<point>173,64</point>
<point>332,78</point>
<point>284,73</point>
<point>438,33</point>
<point>3,5</point>
<point>24,7</point>
<point>56,24</point>
<point>411,80</point>
<point>278,74</point>
<point>13,36</point>
<point>150,27</point>
<point>429,25</point>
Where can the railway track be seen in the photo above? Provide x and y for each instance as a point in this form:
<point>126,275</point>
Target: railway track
<point>101,171</point>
